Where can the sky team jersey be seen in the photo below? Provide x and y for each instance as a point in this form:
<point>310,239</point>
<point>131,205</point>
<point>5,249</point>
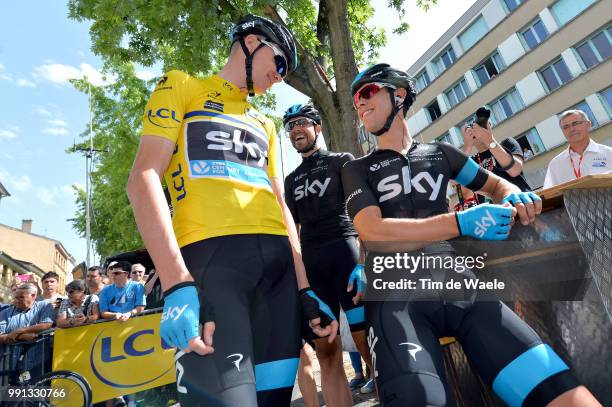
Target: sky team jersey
<point>224,157</point>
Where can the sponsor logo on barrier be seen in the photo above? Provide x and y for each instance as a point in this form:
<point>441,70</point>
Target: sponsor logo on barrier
<point>111,355</point>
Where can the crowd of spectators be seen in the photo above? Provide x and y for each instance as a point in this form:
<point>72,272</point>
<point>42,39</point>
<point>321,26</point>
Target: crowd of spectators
<point>117,294</point>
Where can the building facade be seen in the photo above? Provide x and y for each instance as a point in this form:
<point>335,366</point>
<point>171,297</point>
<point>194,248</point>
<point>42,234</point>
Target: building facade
<point>42,252</point>
<point>527,61</point>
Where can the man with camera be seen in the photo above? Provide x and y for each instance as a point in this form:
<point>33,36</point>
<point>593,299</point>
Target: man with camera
<point>503,159</point>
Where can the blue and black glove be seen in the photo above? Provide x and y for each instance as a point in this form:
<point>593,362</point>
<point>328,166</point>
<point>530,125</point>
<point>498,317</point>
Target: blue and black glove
<point>521,197</point>
<point>485,222</point>
<point>357,279</point>
<point>313,307</point>
<point>181,317</point>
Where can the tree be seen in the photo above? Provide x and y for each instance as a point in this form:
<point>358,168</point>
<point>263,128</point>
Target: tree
<point>117,120</point>
<point>192,35</point>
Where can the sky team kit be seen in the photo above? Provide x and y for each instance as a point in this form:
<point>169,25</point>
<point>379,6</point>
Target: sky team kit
<point>242,278</point>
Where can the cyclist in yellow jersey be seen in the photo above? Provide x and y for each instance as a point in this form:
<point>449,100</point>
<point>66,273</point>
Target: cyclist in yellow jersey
<point>231,245</point>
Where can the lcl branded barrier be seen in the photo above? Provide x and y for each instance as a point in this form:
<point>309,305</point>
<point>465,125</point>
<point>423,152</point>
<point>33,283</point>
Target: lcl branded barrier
<point>116,358</point>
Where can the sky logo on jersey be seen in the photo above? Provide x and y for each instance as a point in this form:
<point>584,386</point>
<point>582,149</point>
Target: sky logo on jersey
<point>222,150</point>
<point>315,187</point>
<point>392,186</point>
<point>161,116</point>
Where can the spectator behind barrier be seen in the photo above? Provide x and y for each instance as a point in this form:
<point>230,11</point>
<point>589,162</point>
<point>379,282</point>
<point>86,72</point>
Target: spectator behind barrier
<point>22,321</point>
<point>582,157</point>
<point>79,308</point>
<point>138,273</point>
<point>50,287</point>
<point>95,280</point>
<point>124,298</point>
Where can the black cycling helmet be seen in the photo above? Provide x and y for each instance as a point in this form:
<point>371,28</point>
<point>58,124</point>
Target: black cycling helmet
<point>276,33</point>
<point>300,110</point>
<point>383,73</point>
<point>308,111</point>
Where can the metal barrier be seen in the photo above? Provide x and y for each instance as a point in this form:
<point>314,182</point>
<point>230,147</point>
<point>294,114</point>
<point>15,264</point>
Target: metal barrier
<point>35,357</point>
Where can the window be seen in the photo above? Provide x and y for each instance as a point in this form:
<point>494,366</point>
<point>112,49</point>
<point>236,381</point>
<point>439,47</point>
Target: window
<point>512,4</point>
<point>566,10</point>
<point>606,96</point>
<point>596,49</point>
<point>433,111</point>
<point>531,143</point>
<point>555,74</point>
<point>473,33</point>
<point>445,138</point>
<point>506,106</point>
<point>584,106</point>
<point>487,70</point>
<point>457,92</point>
<point>534,34</point>
<point>446,59</point>
<point>422,81</point>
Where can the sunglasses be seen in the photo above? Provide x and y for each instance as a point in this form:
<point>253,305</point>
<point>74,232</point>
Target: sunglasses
<point>369,90</point>
<point>298,123</point>
<point>572,124</point>
<point>74,291</point>
<point>116,273</point>
<point>279,58</point>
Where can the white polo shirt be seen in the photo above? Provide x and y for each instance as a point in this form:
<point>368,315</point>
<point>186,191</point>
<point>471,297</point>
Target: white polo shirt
<point>597,160</point>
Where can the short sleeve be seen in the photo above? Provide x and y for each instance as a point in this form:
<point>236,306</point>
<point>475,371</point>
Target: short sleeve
<point>104,294</point>
<point>3,320</point>
<point>63,307</point>
<point>548,180</point>
<point>463,169</point>
<point>166,107</point>
<point>512,146</point>
<point>272,166</point>
<point>357,191</point>
<point>46,315</point>
<point>141,298</point>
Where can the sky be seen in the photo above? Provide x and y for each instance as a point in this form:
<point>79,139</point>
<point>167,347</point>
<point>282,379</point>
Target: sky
<point>41,114</point>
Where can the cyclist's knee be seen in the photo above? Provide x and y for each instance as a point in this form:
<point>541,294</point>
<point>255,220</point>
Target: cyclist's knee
<point>328,352</point>
<point>413,390</point>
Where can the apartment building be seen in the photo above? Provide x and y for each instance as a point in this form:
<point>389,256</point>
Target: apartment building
<point>527,61</point>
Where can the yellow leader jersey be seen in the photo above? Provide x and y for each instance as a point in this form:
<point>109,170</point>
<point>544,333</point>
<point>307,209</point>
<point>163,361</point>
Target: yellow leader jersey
<point>219,175</point>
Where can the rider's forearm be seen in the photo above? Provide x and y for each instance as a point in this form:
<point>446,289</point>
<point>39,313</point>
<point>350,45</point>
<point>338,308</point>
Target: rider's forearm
<point>155,225</point>
<point>409,234</point>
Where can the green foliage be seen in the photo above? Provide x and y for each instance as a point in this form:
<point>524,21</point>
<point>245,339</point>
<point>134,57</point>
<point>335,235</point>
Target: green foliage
<point>117,120</point>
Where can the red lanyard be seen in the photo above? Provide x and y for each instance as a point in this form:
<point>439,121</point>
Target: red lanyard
<point>578,173</point>
<point>490,162</point>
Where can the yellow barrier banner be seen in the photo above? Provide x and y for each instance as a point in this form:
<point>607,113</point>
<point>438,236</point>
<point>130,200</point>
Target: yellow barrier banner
<point>116,358</point>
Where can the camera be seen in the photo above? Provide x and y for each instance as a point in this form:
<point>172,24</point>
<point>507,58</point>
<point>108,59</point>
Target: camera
<point>482,117</point>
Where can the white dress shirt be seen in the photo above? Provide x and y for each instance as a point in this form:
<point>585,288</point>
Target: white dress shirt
<point>597,159</point>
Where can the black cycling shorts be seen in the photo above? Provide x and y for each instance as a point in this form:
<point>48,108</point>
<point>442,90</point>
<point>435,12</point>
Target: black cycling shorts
<point>328,268</point>
<point>507,354</point>
<point>250,282</point>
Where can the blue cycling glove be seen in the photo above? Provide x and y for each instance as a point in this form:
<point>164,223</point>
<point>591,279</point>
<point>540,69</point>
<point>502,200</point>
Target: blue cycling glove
<point>486,222</point>
<point>313,307</point>
<point>357,278</point>
<point>181,317</point>
<point>521,197</point>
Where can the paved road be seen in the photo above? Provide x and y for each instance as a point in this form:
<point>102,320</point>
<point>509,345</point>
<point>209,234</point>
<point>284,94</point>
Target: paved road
<point>359,400</point>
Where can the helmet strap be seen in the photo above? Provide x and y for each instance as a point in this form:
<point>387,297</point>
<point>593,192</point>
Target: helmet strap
<point>248,64</point>
<point>391,116</point>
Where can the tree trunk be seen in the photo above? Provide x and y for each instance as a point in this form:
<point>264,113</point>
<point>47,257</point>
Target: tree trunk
<point>340,121</point>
